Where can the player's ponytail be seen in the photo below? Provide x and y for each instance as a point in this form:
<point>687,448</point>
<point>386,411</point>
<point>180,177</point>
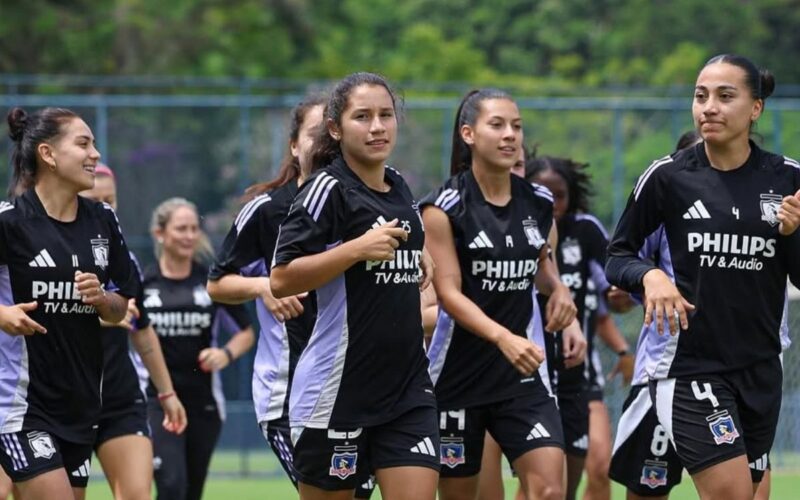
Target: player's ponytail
<point>467,114</point>
<point>27,132</point>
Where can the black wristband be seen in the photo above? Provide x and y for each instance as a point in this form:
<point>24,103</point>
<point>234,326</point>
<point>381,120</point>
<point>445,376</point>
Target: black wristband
<point>623,352</point>
<point>229,354</point>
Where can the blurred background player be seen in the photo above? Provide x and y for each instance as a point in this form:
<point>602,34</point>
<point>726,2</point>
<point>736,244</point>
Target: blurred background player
<point>581,256</point>
<point>188,324</point>
<point>123,443</point>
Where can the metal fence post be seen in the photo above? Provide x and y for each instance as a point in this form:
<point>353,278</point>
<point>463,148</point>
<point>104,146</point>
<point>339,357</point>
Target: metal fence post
<point>777,131</point>
<point>101,129</point>
<point>244,138</point>
<point>618,175</point>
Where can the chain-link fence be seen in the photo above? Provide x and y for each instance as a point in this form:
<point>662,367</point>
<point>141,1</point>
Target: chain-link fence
<point>209,147</point>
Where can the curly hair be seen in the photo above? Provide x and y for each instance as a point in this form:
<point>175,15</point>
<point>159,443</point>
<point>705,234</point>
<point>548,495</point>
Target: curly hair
<point>579,183</point>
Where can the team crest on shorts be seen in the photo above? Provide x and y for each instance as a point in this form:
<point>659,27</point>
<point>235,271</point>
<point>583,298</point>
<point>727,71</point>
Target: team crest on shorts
<point>42,444</point>
<point>344,461</point>
<point>100,252</point>
<point>722,427</point>
<point>770,203</point>
<point>451,452</point>
<point>654,474</point>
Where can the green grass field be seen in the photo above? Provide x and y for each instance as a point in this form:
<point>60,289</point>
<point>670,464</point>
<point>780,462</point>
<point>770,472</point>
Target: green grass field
<point>785,485</point>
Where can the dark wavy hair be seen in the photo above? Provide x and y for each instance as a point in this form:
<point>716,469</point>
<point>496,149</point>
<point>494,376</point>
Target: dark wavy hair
<point>326,148</point>
<point>290,164</point>
<point>579,183</point>
<point>27,131</point>
<point>467,114</point>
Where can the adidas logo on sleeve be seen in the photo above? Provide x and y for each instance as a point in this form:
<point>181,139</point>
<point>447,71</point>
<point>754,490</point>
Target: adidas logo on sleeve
<point>42,259</point>
<point>697,211</point>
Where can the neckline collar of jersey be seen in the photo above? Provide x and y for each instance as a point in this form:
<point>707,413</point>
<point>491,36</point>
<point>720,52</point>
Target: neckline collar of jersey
<point>33,198</point>
<point>752,159</point>
<point>339,162</point>
<point>477,187</point>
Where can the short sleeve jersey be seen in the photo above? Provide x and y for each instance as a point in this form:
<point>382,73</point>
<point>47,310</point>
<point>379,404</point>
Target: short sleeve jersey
<point>52,382</point>
<point>721,247</point>
<point>365,363</point>
<point>248,250</point>
<point>188,321</point>
<point>121,387</point>
<point>581,258</point>
<point>498,254</point>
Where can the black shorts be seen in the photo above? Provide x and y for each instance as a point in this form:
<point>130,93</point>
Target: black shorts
<point>644,459</point>
<point>574,410</point>
<point>715,417</point>
<point>278,435</point>
<point>123,422</point>
<point>27,454</point>
<point>334,459</point>
<point>519,425</point>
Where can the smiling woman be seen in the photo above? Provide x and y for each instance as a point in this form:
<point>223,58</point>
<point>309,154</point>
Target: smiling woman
<point>58,251</point>
<point>361,391</point>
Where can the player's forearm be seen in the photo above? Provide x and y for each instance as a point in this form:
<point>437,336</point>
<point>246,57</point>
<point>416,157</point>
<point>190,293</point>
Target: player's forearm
<point>608,331</point>
<point>113,308</point>
<point>236,289</point>
<point>312,271</point>
<point>627,272</point>
<point>547,277</point>
<point>467,314</point>
<point>240,343</point>
<point>145,342</point>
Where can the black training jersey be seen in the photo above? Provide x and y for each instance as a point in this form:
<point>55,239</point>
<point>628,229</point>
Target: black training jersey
<point>364,364</point>
<point>187,321</point>
<point>581,258</point>
<point>121,387</point>
<point>247,250</point>
<point>498,253</point>
<point>723,251</point>
<point>52,382</point>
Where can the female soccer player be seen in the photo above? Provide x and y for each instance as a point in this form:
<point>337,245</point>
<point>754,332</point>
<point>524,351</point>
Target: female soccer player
<point>187,323</point>
<point>728,211</point>
<point>123,443</point>
<point>581,257</point>
<point>58,252</point>
<point>361,395</point>
<point>241,274</point>
<point>487,233</point>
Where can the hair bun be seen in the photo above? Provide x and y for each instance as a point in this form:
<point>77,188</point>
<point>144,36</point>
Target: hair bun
<point>767,83</point>
<point>17,119</point>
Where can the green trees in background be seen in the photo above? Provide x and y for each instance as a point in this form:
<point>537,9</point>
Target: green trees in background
<point>560,42</point>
